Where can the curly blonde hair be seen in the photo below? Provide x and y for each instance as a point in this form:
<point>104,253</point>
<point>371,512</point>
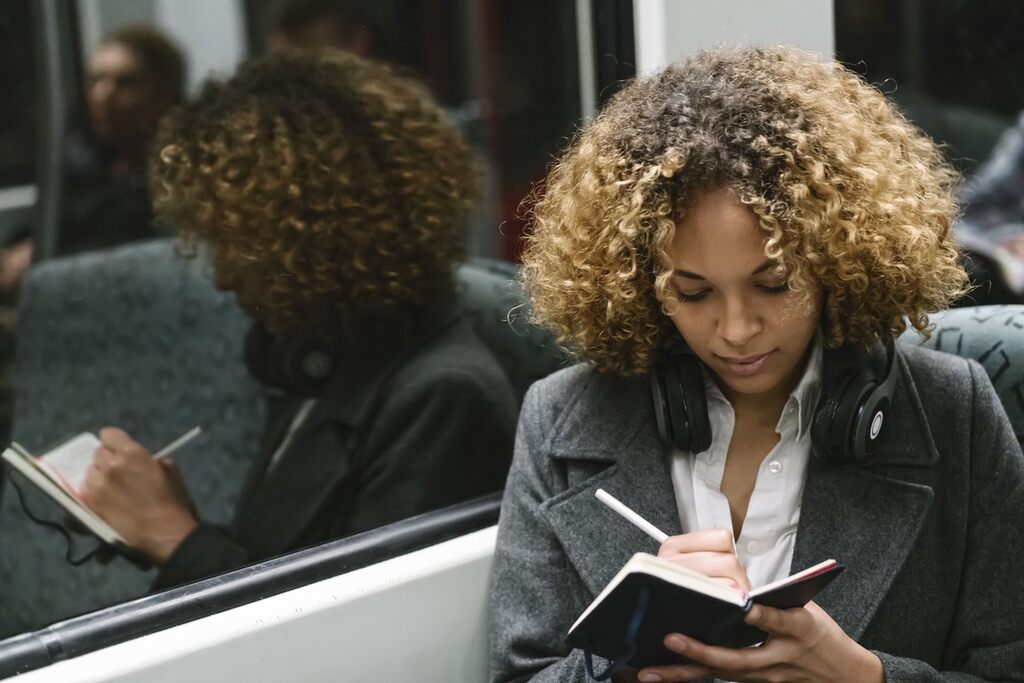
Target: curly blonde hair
<point>853,198</point>
<point>332,183</point>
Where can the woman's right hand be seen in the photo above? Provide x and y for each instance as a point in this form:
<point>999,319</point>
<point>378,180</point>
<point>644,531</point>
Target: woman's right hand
<point>710,552</point>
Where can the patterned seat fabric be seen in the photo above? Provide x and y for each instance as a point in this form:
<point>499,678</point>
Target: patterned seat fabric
<point>135,337</point>
<point>993,336</point>
<point>490,296</point>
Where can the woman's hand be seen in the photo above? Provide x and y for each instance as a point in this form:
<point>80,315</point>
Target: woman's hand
<point>710,552</point>
<point>804,644</point>
<point>143,499</point>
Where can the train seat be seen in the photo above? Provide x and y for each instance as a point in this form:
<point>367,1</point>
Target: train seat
<point>135,337</point>
<point>993,336</point>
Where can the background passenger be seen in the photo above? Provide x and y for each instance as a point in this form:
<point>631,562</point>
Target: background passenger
<point>752,228</point>
<point>134,76</point>
<point>330,193</point>
<point>344,24</point>
<point>992,224</point>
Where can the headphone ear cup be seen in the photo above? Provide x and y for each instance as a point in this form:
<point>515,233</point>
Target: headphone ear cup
<point>261,354</point>
<point>680,405</point>
<point>660,399</point>
<point>295,363</point>
<point>307,364</point>
<point>691,381</point>
<point>829,431</point>
<point>852,408</point>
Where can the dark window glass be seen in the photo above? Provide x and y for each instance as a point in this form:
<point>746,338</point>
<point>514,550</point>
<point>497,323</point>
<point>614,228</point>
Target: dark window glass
<point>953,65</point>
<point>17,95</point>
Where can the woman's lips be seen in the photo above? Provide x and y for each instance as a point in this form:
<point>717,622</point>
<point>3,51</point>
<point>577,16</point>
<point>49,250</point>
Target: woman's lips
<point>748,365</point>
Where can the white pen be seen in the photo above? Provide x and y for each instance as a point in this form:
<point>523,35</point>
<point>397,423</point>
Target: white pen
<point>630,516</point>
<point>179,442</point>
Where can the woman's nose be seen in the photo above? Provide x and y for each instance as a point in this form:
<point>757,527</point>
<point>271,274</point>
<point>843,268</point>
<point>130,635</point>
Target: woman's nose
<point>739,321</point>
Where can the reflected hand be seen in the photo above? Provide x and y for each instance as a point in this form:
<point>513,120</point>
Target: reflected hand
<point>1015,246</point>
<point>804,644</point>
<point>710,552</point>
<point>15,260</point>
<point>143,499</point>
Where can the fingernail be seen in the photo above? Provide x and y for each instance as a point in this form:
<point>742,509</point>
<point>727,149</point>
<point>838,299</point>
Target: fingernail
<point>677,642</point>
<point>650,678</point>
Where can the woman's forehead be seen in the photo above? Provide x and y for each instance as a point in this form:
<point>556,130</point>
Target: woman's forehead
<point>718,232</point>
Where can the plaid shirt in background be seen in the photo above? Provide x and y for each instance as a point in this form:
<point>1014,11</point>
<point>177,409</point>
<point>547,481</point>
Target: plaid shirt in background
<point>993,205</point>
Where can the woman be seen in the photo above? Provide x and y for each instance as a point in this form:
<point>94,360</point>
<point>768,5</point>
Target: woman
<point>757,227</point>
<point>330,192</point>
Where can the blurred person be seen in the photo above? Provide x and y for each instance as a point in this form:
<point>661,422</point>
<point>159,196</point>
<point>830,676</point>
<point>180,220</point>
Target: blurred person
<point>330,192</point>
<point>134,76</point>
<point>992,224</point>
<point>344,24</point>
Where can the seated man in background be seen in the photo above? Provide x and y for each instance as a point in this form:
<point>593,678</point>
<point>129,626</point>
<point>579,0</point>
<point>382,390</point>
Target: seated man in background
<point>992,224</point>
<point>330,193</point>
<point>134,76</point>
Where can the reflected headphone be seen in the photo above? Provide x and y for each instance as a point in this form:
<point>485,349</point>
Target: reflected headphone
<point>857,390</point>
<point>295,362</point>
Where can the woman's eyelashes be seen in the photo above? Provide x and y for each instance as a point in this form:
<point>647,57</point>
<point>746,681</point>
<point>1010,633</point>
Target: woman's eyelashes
<point>689,297</point>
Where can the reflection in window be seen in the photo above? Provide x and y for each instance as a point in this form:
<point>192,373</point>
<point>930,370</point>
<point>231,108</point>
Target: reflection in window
<point>952,65</point>
<point>506,73</point>
<point>138,338</point>
<point>17,95</point>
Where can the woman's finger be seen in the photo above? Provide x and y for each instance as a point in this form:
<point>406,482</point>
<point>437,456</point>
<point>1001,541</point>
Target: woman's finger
<point>713,564</point>
<point>712,540</point>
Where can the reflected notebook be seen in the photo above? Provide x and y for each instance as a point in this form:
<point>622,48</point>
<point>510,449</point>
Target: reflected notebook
<point>59,474</point>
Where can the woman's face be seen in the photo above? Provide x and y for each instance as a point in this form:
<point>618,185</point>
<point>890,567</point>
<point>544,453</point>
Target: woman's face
<point>124,101</point>
<point>735,310</point>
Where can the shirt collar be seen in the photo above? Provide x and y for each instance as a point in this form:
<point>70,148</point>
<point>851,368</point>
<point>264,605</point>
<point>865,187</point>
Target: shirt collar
<point>803,398</point>
<point>807,391</point>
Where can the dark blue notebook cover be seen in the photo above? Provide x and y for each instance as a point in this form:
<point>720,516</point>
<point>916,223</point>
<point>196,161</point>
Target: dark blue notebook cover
<point>671,608</point>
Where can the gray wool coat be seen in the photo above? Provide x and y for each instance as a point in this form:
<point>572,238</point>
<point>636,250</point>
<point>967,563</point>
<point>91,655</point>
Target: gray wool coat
<point>931,530</point>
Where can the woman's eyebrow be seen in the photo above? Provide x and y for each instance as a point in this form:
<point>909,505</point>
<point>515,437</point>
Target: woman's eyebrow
<point>766,266</point>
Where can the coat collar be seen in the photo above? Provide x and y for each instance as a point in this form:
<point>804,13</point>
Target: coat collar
<point>866,516</point>
<point>281,503</point>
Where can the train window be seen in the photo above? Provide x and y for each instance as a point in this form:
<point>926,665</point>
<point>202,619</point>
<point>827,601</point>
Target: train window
<point>17,130</point>
<point>125,325</point>
<point>18,93</point>
<point>953,66</point>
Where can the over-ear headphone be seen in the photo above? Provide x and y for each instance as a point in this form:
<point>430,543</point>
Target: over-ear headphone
<point>857,390</point>
<point>296,362</point>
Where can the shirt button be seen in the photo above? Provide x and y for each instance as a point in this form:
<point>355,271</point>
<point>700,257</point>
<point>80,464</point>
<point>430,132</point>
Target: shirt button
<point>753,547</point>
<point>775,467</point>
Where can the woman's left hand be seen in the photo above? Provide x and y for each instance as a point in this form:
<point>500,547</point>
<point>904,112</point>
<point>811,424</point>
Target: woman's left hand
<point>803,644</point>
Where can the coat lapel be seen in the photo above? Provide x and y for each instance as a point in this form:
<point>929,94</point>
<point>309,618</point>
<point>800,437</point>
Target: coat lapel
<point>603,446</point>
<point>867,516</point>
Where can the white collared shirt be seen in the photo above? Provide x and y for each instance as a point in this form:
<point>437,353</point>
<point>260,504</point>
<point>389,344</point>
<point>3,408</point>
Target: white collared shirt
<point>765,545</point>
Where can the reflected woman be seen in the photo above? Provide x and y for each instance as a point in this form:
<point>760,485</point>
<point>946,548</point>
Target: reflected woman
<point>330,193</point>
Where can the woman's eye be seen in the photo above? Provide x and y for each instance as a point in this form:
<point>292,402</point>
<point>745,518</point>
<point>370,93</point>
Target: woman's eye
<point>774,289</point>
<point>697,296</point>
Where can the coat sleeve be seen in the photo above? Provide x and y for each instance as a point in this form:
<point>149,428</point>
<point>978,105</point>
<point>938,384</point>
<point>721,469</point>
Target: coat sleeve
<point>535,593</point>
<point>207,551</point>
<point>986,642</point>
